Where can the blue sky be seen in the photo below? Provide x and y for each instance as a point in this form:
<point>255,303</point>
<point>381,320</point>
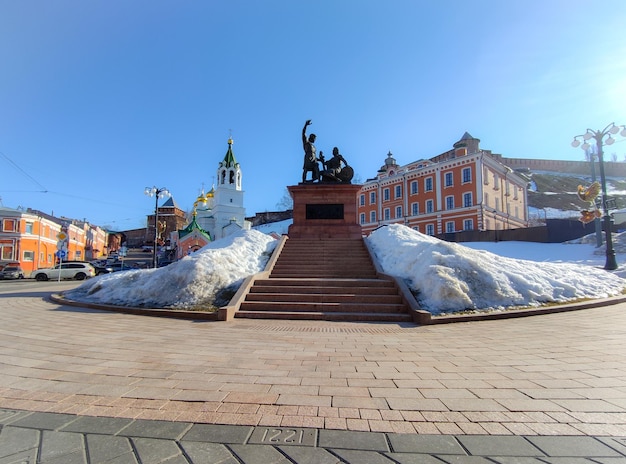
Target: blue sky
<point>99,99</point>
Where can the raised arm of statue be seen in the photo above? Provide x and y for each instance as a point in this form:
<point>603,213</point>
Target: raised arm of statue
<point>304,139</point>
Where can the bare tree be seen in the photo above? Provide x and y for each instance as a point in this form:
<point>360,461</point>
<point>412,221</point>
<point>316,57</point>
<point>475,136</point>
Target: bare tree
<point>286,202</point>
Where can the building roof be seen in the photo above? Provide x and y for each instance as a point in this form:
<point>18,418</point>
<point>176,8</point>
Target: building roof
<point>191,227</point>
<point>170,203</point>
<point>229,159</point>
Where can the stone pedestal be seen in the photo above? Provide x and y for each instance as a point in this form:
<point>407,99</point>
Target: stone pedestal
<point>323,211</point>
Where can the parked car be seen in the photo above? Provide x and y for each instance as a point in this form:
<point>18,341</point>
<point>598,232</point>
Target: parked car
<point>69,270</point>
<point>12,272</point>
<point>102,269</point>
<point>120,267</point>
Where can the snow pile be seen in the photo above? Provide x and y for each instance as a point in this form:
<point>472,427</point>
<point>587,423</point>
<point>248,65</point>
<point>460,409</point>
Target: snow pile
<point>448,277</point>
<point>194,281</point>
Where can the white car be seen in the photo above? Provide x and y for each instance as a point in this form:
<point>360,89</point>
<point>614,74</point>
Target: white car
<point>69,270</point>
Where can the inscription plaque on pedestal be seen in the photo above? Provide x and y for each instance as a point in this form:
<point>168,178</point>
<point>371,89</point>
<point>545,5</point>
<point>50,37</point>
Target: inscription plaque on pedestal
<point>324,211</point>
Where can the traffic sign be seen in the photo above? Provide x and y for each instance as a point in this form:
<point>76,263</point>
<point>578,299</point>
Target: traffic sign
<point>62,236</point>
<point>61,254</point>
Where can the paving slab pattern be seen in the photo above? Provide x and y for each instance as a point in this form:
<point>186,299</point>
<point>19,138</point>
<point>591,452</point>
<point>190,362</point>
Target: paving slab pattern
<point>89,381</point>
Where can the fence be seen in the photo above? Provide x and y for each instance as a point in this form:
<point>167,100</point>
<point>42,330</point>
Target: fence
<point>555,231</point>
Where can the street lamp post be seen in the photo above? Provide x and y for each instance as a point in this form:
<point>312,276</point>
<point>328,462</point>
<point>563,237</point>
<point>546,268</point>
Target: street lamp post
<point>599,136</point>
<point>157,193</point>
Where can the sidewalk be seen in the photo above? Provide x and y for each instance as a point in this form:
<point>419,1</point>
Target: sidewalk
<point>76,382</point>
<point>67,439</point>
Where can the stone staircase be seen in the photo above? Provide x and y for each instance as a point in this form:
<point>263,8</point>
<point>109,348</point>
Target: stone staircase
<point>324,279</point>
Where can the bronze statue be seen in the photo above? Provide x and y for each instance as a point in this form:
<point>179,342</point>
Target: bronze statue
<point>310,155</point>
<point>334,172</point>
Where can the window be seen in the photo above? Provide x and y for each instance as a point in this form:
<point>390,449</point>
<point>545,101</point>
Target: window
<point>448,179</point>
<point>398,191</point>
<point>372,198</point>
<point>516,211</point>
<point>416,228</point>
<point>362,218</point>
<point>487,199</point>
<point>372,216</point>
<point>6,251</point>
<point>468,224</point>
<point>398,212</point>
<point>415,210</point>
<point>467,199</point>
<point>9,225</point>
<point>515,190</point>
<point>362,200</point>
<point>29,227</point>
<point>450,202</point>
<point>428,184</point>
<point>450,226</point>
<point>386,194</point>
<point>386,214</point>
<point>497,204</point>
<point>413,187</point>
<point>467,175</point>
<point>429,206</point>
<point>496,182</point>
<point>29,256</point>
<point>430,229</point>
<point>485,176</point>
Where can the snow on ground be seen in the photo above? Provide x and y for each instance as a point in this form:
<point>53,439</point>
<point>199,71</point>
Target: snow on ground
<point>446,277</point>
<point>449,277</point>
<point>194,281</point>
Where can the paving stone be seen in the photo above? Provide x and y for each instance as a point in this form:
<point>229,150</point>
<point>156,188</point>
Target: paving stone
<point>203,452</point>
<point>8,416</point>
<point>101,425</point>
<point>14,440</point>
<point>259,454</point>
<point>413,458</point>
<point>518,460</point>
<point>342,439</point>
<point>426,444</point>
<point>610,460</point>
<point>155,429</point>
<point>153,451</point>
<point>214,433</point>
<point>23,457</point>
<point>484,445</point>
<point>573,447</point>
<point>62,448</point>
<point>106,448</point>
<point>568,460</point>
<point>362,457</point>
<point>618,444</point>
<point>44,420</point>
<point>465,460</point>
<point>309,455</point>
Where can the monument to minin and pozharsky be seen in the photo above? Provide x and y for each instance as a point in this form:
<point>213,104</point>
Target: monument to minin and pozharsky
<point>324,206</point>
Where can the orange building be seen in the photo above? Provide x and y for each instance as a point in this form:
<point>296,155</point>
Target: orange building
<point>465,188</point>
<point>30,238</point>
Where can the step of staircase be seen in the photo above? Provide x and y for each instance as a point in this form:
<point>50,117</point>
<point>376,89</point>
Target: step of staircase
<point>330,279</point>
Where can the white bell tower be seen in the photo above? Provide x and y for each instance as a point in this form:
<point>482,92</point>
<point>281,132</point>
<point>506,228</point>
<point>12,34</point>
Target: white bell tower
<point>228,209</point>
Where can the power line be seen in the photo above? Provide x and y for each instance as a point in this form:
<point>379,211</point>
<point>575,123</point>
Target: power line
<point>44,190</point>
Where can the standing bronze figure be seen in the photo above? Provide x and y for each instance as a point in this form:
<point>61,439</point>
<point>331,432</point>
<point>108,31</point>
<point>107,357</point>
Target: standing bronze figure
<point>310,155</point>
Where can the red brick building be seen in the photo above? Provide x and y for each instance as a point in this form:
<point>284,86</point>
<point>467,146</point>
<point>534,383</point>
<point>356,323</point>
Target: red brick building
<point>465,188</point>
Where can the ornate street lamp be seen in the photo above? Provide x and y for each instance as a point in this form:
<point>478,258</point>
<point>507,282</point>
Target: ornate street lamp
<point>158,193</point>
<point>599,136</point>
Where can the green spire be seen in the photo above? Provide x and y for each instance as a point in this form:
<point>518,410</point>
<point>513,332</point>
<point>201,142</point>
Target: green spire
<point>229,159</point>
